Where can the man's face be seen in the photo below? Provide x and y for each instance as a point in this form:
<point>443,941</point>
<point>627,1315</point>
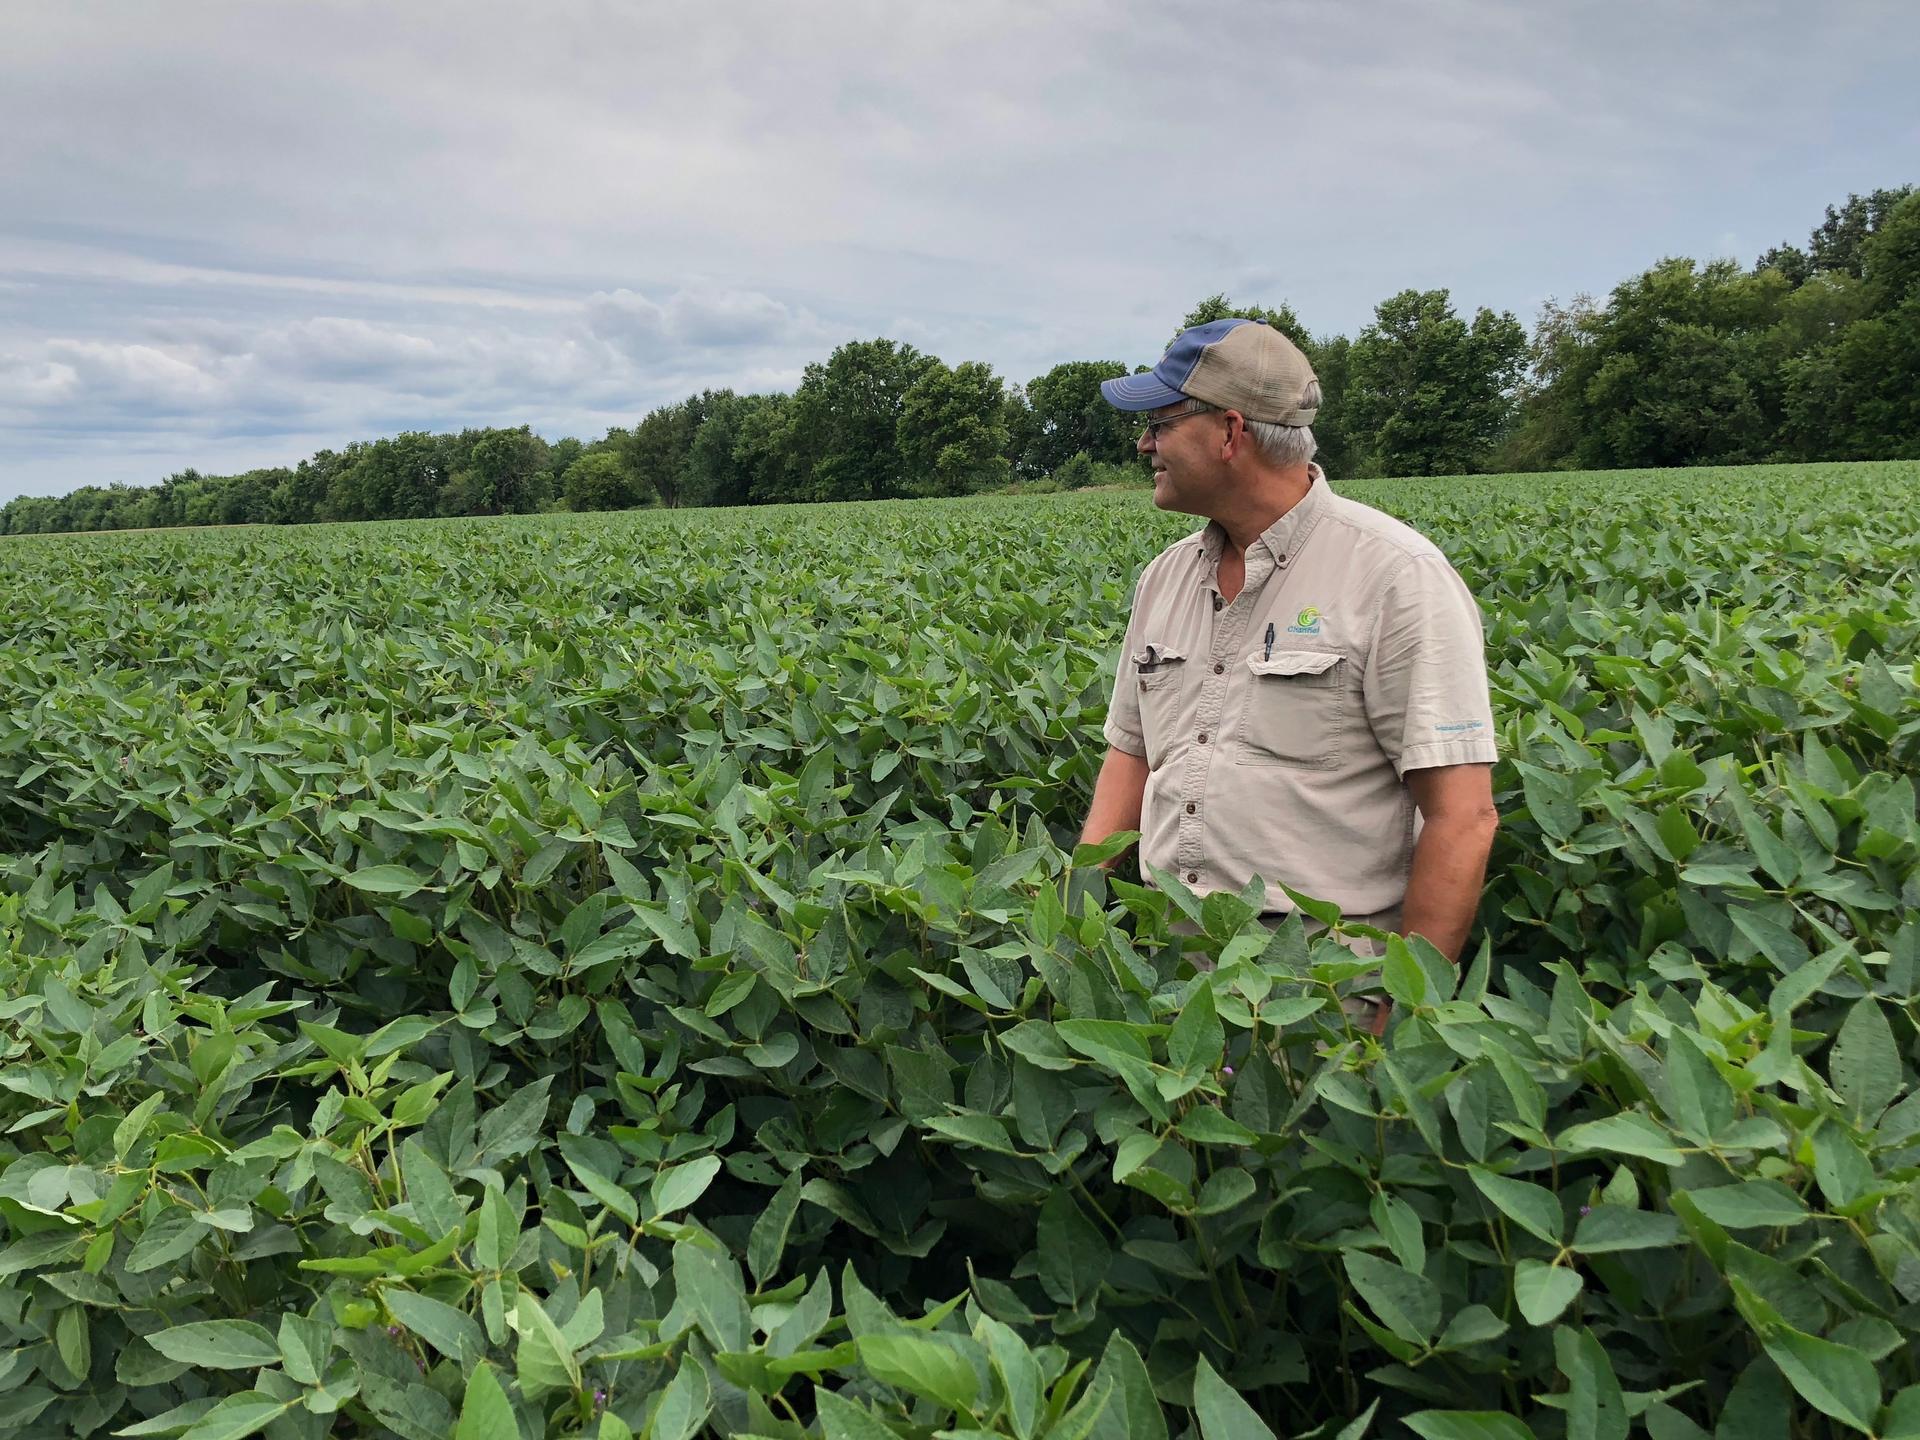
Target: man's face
<point>1182,442</point>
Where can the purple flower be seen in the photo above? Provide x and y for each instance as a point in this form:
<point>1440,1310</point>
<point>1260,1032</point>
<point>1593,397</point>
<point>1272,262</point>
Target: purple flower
<point>393,1332</point>
<point>1227,1070</point>
<point>599,1399</point>
<point>1586,1209</point>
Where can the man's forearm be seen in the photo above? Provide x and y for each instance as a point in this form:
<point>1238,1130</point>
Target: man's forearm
<point>1118,795</point>
<point>1449,868</point>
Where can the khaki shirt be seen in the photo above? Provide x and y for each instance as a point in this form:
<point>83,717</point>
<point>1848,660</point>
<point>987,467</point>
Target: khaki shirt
<point>1289,766</point>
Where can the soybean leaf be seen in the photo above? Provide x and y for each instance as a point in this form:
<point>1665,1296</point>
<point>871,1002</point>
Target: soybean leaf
<point>1836,1380</point>
<point>1750,1204</point>
<point>1467,1425</point>
<point>1074,1255</point>
<point>1865,1063</point>
<point>1222,1413</point>
<point>1406,1303</point>
<point>218,1344</point>
<point>1534,1208</point>
<point>1544,1291</point>
<point>485,1412</point>
<point>922,1365</point>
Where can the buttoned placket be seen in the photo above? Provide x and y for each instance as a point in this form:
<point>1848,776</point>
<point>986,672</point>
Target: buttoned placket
<point>1228,626</point>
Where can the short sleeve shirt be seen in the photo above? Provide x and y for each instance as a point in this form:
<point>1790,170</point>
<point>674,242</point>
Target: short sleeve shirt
<point>1284,757</point>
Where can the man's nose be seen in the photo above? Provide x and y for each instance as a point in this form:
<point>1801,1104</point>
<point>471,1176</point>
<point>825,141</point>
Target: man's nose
<point>1144,445</point>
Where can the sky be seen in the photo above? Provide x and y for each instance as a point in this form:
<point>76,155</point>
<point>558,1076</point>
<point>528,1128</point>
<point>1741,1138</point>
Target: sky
<point>232,234</point>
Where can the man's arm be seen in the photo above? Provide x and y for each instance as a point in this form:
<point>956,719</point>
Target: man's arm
<point>1118,794</point>
<point>1450,857</point>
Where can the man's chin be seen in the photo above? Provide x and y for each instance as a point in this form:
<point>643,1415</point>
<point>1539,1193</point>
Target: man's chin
<point>1166,498</point>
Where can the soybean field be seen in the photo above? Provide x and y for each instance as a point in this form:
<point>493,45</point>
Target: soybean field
<point>630,975</point>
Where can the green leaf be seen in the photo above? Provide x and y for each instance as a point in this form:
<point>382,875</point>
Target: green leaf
<point>984,1132</point>
<point>1864,1064</point>
<point>767,1241</point>
<point>544,1360</point>
<point>396,880</point>
<point>842,1419</point>
<point>1133,1412</point>
<point>1534,1208</point>
<point>452,1332</point>
<point>498,1234</point>
<point>167,1422</point>
<point>1699,1100</point>
<point>1467,1425</point>
<point>166,1240</point>
<point>1750,1205</point>
<point>1074,1255</point>
<point>1613,1227</point>
<point>429,1191</point>
<point>1019,1373</point>
<point>1544,1291</point>
<point>1205,1125</point>
<point>1835,1379</point>
<point>218,1344</point>
<point>1196,1042</point>
<point>516,1126</point>
<point>684,1405</point>
<point>709,1285</point>
<point>1628,1133</point>
<point>485,1411</point>
<point>1222,1413</point>
<point>238,1416</point>
<point>1402,974</point>
<point>1596,1410</point>
<point>305,1345</point>
<point>1400,1227</point>
<point>1407,1304</point>
<point>675,1187</point>
<point>922,1365</point>
<point>1903,1416</point>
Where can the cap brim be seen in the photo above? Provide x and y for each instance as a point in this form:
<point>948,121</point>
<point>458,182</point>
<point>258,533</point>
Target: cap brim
<point>1139,392</point>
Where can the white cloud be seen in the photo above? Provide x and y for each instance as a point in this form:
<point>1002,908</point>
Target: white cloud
<point>650,331</point>
<point>443,214</point>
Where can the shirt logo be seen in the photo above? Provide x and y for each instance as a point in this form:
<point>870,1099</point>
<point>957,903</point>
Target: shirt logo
<point>1307,622</point>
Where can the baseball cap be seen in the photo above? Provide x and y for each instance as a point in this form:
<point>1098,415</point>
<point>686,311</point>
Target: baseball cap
<point>1243,365</point>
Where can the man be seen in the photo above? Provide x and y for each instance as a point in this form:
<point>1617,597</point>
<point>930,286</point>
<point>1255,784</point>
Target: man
<point>1302,692</point>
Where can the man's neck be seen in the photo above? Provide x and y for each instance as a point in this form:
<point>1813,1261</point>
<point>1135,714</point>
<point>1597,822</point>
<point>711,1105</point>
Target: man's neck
<point>1273,494</point>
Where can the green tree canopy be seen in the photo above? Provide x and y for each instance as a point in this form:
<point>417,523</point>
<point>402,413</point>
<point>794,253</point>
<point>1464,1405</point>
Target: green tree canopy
<point>1433,392</point>
<point>952,431</point>
<point>847,419</point>
<point>599,480</point>
<point>1070,416</point>
<point>1218,307</point>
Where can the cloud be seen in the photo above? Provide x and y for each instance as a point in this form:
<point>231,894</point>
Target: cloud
<point>443,216</point>
<point>647,330</point>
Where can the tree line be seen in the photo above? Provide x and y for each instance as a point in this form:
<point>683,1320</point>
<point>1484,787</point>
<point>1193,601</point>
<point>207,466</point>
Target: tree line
<point>1813,353</point>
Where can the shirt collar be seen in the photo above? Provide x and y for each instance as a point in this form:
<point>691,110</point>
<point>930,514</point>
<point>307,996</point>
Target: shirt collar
<point>1285,535</point>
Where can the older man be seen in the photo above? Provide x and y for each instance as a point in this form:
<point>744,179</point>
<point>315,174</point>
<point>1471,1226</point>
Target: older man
<point>1302,693</point>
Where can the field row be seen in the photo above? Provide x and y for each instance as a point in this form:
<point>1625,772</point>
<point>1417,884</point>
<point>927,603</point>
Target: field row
<point>587,973</point>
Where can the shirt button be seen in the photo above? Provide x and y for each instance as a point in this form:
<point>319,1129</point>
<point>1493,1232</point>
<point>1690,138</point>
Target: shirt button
<point>1203,737</point>
<point>1193,877</point>
<point>1283,559</point>
<point>1191,807</point>
<point>1219,669</point>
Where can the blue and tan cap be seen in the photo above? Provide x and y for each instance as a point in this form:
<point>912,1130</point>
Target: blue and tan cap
<point>1243,365</point>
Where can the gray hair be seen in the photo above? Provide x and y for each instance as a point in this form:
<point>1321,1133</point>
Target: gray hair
<point>1287,444</point>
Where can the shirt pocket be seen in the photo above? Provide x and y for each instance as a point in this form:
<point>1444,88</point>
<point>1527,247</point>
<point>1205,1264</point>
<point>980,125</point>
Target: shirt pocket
<point>1157,673</point>
<point>1296,708</point>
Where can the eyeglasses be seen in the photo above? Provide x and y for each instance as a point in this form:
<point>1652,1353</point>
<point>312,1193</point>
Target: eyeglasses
<point>1154,427</point>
